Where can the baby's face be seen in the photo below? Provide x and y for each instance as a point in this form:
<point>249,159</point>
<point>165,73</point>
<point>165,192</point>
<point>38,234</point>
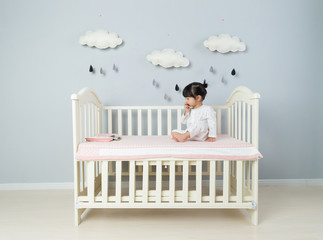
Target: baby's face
<point>190,101</point>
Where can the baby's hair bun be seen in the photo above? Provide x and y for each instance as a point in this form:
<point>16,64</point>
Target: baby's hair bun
<point>205,84</point>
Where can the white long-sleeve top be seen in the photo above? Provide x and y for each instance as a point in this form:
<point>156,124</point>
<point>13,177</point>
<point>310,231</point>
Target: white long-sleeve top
<point>201,123</point>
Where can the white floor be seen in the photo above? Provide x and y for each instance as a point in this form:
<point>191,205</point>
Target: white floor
<point>285,213</point>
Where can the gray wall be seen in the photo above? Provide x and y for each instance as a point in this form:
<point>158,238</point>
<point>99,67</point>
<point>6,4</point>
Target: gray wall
<point>42,64</point>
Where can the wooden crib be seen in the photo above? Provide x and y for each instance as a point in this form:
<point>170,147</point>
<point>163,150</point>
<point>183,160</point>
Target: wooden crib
<point>164,182</point>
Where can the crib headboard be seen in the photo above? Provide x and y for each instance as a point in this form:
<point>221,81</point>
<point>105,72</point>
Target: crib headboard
<point>239,118</point>
<point>87,115</point>
<point>243,115</point>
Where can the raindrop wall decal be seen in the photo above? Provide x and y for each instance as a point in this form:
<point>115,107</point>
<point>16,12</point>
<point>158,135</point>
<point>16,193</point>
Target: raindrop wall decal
<point>233,72</point>
<point>115,68</point>
<point>222,80</point>
<point>176,88</point>
<point>156,84</point>
<point>91,69</point>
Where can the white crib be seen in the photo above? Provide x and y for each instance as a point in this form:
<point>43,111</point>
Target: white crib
<point>166,182</point>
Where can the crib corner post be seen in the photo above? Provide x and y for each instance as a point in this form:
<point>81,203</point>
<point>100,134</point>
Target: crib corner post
<point>254,211</point>
<point>255,120</point>
<point>77,211</point>
<point>77,216</point>
<point>76,121</point>
<point>254,216</point>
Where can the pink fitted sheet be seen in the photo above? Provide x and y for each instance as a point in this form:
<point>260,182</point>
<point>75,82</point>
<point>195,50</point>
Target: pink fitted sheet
<point>148,147</point>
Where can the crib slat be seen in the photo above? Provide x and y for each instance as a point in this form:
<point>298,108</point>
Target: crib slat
<point>228,121</point>
<point>139,123</point>
<point>185,180</point>
<point>87,129</point>
<point>248,123</point>
<point>244,121</point>
<point>235,120</point>
<point>119,121</point>
<point>218,119</point>
<point>80,127</point>
<point>198,181</point>
<point>172,181</point>
<point>226,181</point>
<point>89,112</point>
<point>145,183</point>
<point>169,121</point>
<point>98,120</point>
<point>90,181</point>
<point>149,121</point>
<point>212,190</point>
<point>232,121</point>
<point>82,185</point>
<point>248,175</point>
<point>239,120</point>
<point>159,122</point>
<point>118,181</point>
<point>129,122</point>
<point>158,181</point>
<point>239,180</point>
<point>93,120</point>
<point>89,119</point>
<point>104,181</point>
<point>132,182</point>
<point>109,121</point>
<point>179,119</point>
<point>85,121</point>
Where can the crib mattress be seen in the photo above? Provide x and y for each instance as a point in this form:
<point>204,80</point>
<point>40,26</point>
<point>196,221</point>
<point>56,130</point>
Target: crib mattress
<point>147,147</point>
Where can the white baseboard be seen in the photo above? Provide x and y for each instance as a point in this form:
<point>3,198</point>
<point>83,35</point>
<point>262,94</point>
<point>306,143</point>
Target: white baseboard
<point>291,182</point>
<point>70,185</point>
<point>36,186</point>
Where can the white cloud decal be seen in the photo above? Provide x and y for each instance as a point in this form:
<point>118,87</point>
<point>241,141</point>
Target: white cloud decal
<point>100,39</point>
<point>168,58</point>
<point>224,43</point>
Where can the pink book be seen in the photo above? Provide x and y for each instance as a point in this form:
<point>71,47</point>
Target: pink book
<point>104,137</point>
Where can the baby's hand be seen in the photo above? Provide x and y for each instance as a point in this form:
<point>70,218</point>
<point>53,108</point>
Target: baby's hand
<point>187,108</point>
<point>210,139</point>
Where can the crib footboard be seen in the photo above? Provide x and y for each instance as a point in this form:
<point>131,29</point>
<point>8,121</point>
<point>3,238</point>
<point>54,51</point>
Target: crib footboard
<point>167,184</point>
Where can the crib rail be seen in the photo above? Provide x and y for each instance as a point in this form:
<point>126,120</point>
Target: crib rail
<point>149,183</point>
<point>149,120</point>
<point>239,118</point>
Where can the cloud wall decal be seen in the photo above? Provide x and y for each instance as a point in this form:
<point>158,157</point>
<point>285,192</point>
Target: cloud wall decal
<point>100,39</point>
<point>168,58</point>
<point>224,43</point>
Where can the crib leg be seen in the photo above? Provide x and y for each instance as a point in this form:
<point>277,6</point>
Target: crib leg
<point>254,216</point>
<point>254,212</point>
<point>77,216</point>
